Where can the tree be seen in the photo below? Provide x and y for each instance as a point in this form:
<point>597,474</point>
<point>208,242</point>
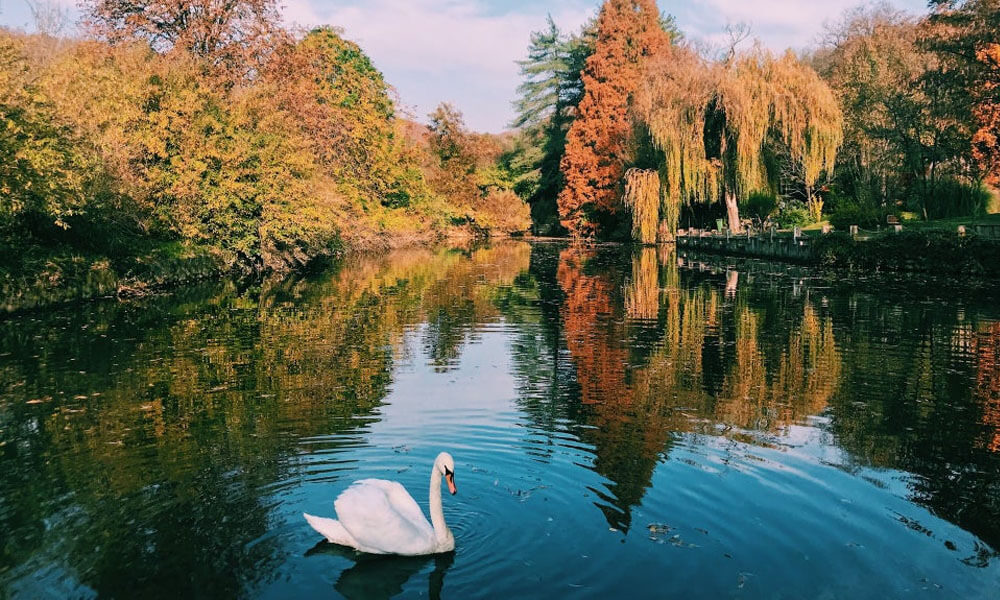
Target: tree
<point>642,197</point>
<point>541,71</point>
<point>986,141</point>
<point>598,142</point>
<point>721,126</point>
<point>345,107</point>
<point>235,34</point>
<point>966,34</point>
<point>41,169</point>
<point>453,147</point>
<point>549,94</point>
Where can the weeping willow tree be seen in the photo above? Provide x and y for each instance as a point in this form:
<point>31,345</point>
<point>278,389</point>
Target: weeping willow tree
<point>642,197</point>
<point>751,122</point>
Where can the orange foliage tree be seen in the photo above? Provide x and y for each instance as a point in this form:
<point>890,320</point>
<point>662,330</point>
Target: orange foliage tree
<point>597,146</point>
<point>986,142</point>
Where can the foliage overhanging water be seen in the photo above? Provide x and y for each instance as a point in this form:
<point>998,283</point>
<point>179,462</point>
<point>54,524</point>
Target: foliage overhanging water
<point>619,417</point>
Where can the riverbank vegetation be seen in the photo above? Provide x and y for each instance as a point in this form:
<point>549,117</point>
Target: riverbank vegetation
<point>223,136</point>
<point>164,141</point>
<point>890,114</point>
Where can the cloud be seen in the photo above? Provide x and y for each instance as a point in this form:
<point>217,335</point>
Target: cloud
<point>779,24</point>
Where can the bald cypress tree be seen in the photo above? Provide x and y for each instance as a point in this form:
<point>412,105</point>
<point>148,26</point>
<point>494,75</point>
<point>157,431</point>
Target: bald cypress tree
<point>598,143</point>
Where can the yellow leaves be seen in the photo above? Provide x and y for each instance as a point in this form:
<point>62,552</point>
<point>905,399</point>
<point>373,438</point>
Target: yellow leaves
<point>642,197</point>
<point>736,107</point>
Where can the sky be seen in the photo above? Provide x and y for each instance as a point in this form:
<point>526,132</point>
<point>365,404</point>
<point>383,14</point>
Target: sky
<point>464,51</point>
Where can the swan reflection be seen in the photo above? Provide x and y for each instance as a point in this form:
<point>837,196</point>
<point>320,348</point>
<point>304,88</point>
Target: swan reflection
<point>377,577</point>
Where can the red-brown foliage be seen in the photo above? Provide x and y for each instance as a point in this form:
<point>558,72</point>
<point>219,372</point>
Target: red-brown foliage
<point>591,334</point>
<point>597,145</point>
<point>988,388</point>
<point>986,142</point>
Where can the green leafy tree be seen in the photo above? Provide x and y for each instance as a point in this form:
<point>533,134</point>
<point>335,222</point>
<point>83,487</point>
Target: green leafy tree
<point>345,107</point>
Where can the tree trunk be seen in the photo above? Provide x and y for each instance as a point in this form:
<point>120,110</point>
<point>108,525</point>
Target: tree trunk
<point>733,211</point>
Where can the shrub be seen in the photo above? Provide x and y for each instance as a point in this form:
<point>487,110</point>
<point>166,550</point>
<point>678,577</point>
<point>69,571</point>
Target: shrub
<point>792,214</point>
<point>759,207</point>
<point>866,217</point>
<point>955,198</point>
<point>503,212</point>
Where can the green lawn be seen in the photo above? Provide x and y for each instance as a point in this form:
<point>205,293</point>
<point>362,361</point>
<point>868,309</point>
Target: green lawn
<point>950,224</point>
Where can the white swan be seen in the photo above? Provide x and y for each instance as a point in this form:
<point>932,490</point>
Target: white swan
<point>380,517</point>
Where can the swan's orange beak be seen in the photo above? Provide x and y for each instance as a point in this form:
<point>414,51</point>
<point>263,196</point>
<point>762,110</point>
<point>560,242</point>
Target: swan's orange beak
<point>450,478</point>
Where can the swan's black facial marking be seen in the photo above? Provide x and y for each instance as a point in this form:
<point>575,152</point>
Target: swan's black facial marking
<point>448,471</point>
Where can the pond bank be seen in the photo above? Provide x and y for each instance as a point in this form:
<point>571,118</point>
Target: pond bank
<point>935,252</point>
<point>47,278</point>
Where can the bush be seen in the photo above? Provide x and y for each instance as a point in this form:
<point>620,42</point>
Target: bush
<point>759,207</point>
<point>955,198</point>
<point>503,212</point>
<point>866,217</point>
<point>937,252</point>
<point>792,214</point>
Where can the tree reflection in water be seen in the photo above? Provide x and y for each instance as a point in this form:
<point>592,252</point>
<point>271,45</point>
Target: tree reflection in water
<point>712,351</point>
<point>155,437</point>
<point>141,440</point>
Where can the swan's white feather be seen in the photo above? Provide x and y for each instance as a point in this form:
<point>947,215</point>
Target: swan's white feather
<point>332,530</point>
<point>384,519</point>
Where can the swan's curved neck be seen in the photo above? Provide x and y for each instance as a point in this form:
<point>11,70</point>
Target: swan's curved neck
<point>437,512</point>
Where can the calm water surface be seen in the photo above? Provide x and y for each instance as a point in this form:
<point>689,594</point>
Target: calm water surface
<point>623,421</point>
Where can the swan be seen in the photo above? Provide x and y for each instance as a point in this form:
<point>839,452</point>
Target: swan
<point>380,517</point>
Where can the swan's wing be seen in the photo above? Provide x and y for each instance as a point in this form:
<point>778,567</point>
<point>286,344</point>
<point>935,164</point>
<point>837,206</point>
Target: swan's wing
<point>369,513</point>
<point>401,501</point>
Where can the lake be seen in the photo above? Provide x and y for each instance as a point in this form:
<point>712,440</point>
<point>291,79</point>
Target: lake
<point>624,422</point>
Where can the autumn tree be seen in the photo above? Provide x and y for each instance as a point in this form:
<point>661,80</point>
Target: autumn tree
<point>235,34</point>
<point>986,141</point>
<point>966,35</point>
<point>907,117</point>
<point>465,171</point>
<point>598,143</point>
<point>344,106</point>
<point>721,126</point>
<point>454,148</point>
<point>42,175</point>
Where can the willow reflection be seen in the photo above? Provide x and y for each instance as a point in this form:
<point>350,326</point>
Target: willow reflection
<point>657,352</point>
